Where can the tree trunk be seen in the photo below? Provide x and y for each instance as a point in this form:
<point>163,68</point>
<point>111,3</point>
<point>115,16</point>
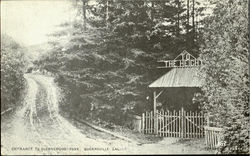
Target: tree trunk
<point>107,14</point>
<point>193,21</point>
<point>84,13</point>
<point>152,11</point>
<point>178,17</point>
<point>187,16</point>
<point>187,34</point>
<point>197,22</point>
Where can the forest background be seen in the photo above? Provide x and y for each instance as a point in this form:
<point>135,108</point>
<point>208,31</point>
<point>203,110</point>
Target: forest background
<point>104,60</point>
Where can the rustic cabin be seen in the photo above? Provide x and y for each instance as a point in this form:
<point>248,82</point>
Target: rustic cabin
<point>176,88</point>
<point>175,112</point>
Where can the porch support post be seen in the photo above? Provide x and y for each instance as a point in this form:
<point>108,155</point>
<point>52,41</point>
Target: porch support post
<point>155,98</point>
<point>155,111</point>
<point>158,94</point>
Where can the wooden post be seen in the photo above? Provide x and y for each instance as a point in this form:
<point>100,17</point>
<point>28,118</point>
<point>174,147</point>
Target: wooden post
<point>174,124</point>
<point>155,120</point>
<point>142,122</point>
<point>146,122</point>
<point>170,124</point>
<point>164,123</point>
<point>196,122</point>
<point>208,122</point>
<point>160,123</point>
<point>199,121</point>
<point>205,137</point>
<point>156,123</point>
<point>188,131</point>
<point>167,123</point>
<point>151,121</point>
<point>182,122</point>
<point>179,123</point>
<point>193,125</point>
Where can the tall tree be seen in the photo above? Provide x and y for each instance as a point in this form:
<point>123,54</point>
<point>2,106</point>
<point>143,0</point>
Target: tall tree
<point>188,6</point>
<point>112,67</point>
<point>178,17</point>
<point>152,10</point>
<point>193,21</point>
<point>226,71</point>
<point>84,13</point>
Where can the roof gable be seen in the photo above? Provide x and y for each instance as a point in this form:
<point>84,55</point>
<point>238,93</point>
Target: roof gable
<point>179,77</point>
<point>184,72</point>
<point>184,59</point>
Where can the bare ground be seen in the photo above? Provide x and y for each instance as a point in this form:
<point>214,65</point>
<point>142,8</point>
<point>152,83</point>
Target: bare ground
<point>38,128</point>
<point>149,144</point>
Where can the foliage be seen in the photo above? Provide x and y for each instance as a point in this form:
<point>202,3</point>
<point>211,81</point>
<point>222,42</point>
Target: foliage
<point>226,71</point>
<point>105,62</point>
<point>13,65</point>
<point>152,26</point>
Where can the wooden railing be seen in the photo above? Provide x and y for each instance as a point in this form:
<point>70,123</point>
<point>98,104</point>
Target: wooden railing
<point>147,122</point>
<point>212,136</point>
<point>181,124</point>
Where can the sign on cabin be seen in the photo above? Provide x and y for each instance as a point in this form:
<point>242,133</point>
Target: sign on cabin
<point>181,82</point>
<point>184,59</point>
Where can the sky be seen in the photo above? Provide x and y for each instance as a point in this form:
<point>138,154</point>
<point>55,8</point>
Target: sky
<point>29,21</point>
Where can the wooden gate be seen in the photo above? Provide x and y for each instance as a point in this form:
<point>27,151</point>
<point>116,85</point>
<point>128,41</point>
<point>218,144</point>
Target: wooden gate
<point>180,124</point>
<point>212,136</point>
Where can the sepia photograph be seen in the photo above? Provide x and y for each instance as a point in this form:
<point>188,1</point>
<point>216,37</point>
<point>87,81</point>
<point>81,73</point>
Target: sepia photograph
<point>127,77</point>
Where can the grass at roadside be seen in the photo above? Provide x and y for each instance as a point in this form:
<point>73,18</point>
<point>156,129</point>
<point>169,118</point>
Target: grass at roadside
<point>150,143</point>
<point>120,130</point>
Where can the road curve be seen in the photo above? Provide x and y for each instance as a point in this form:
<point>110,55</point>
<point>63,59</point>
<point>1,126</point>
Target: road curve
<point>38,128</point>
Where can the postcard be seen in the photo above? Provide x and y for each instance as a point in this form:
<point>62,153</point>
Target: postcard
<point>88,77</point>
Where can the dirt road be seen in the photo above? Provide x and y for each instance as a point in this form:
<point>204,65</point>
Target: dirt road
<point>38,128</point>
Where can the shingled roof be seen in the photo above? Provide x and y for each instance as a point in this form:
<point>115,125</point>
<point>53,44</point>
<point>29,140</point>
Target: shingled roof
<point>179,77</point>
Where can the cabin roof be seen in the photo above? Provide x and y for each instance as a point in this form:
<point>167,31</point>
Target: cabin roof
<point>179,77</point>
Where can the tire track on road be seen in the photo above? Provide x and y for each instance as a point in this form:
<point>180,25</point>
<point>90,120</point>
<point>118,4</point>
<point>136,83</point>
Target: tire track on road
<point>39,124</point>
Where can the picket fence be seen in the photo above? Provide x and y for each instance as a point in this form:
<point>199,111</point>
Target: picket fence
<point>212,136</point>
<point>180,124</point>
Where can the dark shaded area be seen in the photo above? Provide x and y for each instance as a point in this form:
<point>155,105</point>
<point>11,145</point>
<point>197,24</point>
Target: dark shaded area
<point>176,98</point>
<point>109,60</point>
<point>13,66</point>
